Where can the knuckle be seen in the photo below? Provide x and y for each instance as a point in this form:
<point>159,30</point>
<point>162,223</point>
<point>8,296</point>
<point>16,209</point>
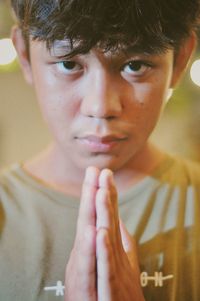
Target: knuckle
<point>103,193</point>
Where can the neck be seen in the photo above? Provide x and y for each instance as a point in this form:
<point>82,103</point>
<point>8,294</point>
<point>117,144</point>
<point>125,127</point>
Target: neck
<point>54,170</point>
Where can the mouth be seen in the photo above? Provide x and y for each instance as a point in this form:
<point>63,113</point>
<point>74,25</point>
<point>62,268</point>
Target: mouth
<point>100,144</point>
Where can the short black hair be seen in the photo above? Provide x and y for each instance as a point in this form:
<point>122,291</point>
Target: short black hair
<point>151,25</point>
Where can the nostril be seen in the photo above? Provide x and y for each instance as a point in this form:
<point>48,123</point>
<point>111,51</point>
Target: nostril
<point>102,117</point>
<point>110,117</point>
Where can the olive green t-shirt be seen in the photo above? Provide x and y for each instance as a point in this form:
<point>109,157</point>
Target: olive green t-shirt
<point>38,225</point>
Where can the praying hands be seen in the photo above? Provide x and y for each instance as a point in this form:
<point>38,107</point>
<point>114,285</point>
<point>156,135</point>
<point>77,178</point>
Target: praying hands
<point>103,264</point>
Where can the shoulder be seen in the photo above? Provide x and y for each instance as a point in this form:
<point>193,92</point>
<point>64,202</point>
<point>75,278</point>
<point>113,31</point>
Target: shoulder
<point>7,177</point>
<point>177,170</point>
<point>7,199</point>
<point>11,186</point>
<point>188,169</point>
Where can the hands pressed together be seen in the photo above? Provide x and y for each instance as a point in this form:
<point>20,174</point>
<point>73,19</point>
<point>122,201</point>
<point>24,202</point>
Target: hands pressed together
<point>103,264</point>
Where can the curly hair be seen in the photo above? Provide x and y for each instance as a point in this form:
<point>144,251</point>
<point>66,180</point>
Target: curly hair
<point>151,25</point>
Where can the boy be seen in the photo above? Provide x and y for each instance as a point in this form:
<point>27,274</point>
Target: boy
<point>102,72</point>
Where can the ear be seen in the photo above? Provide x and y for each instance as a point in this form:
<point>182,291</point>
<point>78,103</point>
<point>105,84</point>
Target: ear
<point>23,54</point>
<point>182,58</point>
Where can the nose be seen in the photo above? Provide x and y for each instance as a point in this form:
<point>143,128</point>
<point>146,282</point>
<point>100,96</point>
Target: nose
<point>102,98</point>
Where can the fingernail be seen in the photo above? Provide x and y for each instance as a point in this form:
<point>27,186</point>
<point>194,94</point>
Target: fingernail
<point>111,178</point>
<point>90,174</point>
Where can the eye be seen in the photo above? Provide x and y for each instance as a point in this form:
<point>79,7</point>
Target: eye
<point>136,68</point>
<point>68,67</point>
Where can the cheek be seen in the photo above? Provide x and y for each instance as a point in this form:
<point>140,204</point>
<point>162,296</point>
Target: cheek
<point>151,92</point>
<point>145,105</point>
<point>58,102</point>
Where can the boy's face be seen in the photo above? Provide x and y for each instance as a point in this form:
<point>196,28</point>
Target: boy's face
<point>100,107</point>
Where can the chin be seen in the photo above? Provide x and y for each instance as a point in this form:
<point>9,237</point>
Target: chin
<point>101,162</point>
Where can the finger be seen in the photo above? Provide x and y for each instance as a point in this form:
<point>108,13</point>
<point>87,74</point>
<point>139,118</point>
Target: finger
<point>81,270</point>
<point>85,252</point>
<point>86,259</point>
<point>87,212</point>
<point>80,280</point>
<point>103,209</point>
<point>105,265</point>
<point>106,182</point>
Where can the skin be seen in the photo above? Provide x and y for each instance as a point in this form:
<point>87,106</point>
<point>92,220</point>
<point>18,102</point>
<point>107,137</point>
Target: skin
<point>99,93</point>
<point>103,264</point>
<point>100,99</point>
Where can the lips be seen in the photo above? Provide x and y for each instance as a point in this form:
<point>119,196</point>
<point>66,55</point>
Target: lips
<point>94,143</point>
<point>103,139</point>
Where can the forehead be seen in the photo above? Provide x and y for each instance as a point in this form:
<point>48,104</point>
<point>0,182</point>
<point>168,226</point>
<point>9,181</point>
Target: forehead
<point>66,48</point>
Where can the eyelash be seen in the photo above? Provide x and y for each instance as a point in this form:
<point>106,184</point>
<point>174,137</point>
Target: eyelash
<point>78,68</point>
<point>61,65</point>
<point>138,63</point>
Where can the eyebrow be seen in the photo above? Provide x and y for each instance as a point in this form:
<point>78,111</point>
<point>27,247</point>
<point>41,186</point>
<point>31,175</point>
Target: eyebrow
<point>140,49</point>
<point>60,48</point>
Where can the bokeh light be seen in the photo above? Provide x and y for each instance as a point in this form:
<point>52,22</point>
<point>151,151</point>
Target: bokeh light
<point>7,52</point>
<point>195,72</point>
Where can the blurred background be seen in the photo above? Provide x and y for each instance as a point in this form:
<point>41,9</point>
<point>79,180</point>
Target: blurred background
<point>23,132</point>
